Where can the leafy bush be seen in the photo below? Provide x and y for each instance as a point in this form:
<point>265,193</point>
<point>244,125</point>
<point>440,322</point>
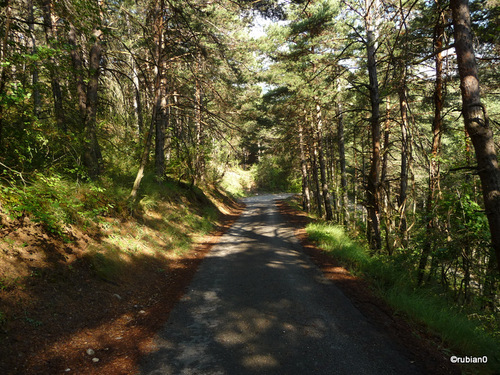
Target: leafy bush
<point>54,201</point>
<point>275,174</point>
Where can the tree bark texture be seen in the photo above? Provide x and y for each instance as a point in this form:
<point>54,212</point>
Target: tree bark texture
<point>3,55</point>
<point>93,156</point>
<point>88,98</point>
<point>50,27</point>
<point>157,102</point>
<point>476,120</point>
<point>373,185</point>
<point>405,145</point>
<point>322,164</point>
<point>437,125</point>
<point>306,195</point>
<point>342,165</point>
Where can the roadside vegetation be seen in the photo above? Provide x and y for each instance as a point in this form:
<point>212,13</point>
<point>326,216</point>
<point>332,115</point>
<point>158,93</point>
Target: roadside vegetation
<point>464,331</point>
<point>77,258</point>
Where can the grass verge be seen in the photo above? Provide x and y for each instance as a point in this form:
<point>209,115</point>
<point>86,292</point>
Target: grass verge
<point>463,335</point>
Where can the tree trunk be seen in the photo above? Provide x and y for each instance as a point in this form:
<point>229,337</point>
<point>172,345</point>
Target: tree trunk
<point>385,183</point>
<point>322,164</point>
<point>32,38</point>
<point>476,120</point>
<point>93,156</point>
<point>148,139</point>
<point>161,119</point>
<point>436,147</point>
<point>50,27</point>
<point>306,195</point>
<point>157,102</point>
<point>3,58</point>
<point>77,61</point>
<point>343,174</point>
<point>199,162</point>
<point>373,186</point>
<point>403,183</point>
<point>314,166</point>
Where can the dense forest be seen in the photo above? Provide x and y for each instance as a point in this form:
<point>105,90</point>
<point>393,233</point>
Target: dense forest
<point>382,114</point>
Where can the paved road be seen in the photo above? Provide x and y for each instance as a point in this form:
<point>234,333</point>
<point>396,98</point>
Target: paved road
<point>259,306</point>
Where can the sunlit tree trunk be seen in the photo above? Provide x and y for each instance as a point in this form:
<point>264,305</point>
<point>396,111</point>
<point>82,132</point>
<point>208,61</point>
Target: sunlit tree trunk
<point>158,25</point>
<point>434,163</point>
<point>306,195</point>
<point>476,120</point>
<point>315,176</point>
<point>405,145</point>
<point>322,164</point>
<point>384,181</point>
<point>342,164</point>
<point>161,119</point>
<point>199,162</point>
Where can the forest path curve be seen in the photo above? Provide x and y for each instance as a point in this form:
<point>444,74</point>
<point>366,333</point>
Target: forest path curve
<point>258,305</point>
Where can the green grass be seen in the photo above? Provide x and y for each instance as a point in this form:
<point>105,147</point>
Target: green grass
<point>237,182</point>
<point>464,336</point>
<point>166,218</point>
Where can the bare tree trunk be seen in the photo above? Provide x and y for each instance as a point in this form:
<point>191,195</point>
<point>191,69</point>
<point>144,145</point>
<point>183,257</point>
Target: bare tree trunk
<point>87,99</point>
<point>199,162</point>
<point>77,60</point>
<point>161,119</point>
<point>158,34</point>
<point>3,55</point>
<point>434,163</point>
<point>306,195</point>
<point>314,166</point>
<point>343,174</point>
<point>385,185</point>
<point>373,186</point>
<point>476,120</point>
<point>322,164</point>
<point>403,183</point>
<point>50,27</point>
<point>148,138</point>
<point>93,156</point>
<point>36,90</point>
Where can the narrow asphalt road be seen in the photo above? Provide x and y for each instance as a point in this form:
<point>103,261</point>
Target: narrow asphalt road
<point>258,306</point>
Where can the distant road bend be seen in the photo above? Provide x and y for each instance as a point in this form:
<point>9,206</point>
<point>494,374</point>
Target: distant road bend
<point>259,306</point>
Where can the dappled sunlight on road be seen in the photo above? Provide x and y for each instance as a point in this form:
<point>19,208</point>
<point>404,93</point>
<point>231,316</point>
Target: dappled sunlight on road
<point>258,305</point>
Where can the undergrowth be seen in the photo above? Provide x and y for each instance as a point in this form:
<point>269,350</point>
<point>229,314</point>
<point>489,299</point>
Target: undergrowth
<point>164,221</point>
<point>463,332</point>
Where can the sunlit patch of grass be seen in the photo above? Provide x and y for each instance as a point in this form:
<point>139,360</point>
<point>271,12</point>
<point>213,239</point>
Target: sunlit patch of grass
<point>463,335</point>
<point>238,182</point>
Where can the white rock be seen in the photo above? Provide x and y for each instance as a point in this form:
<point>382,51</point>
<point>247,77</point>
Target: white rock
<point>90,351</point>
<point>95,360</point>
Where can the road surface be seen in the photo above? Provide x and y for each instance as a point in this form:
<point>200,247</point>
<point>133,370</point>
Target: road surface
<point>259,306</point>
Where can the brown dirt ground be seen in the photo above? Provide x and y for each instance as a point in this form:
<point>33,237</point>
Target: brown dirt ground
<point>59,312</point>
<point>62,308</point>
